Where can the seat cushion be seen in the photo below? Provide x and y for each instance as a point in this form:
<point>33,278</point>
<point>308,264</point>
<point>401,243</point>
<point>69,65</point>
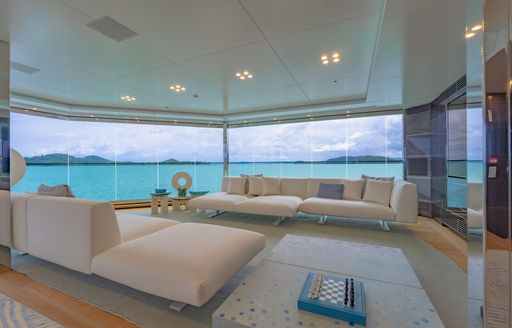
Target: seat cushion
<point>188,262</point>
<point>347,208</point>
<point>275,205</point>
<point>135,226</point>
<point>220,201</point>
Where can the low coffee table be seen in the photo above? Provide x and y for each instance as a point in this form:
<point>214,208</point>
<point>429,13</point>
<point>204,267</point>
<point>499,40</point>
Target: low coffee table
<point>268,296</point>
<point>180,203</point>
<point>161,199</point>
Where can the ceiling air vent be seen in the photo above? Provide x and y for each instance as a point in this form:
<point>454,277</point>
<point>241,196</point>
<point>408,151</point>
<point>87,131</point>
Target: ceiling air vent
<point>108,26</point>
<point>23,68</point>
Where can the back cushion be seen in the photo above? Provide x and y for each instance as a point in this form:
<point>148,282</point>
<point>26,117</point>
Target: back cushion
<point>330,190</point>
<point>271,186</point>
<point>378,191</point>
<point>237,185</point>
<point>294,187</point>
<point>313,185</point>
<point>353,189</point>
<point>255,186</point>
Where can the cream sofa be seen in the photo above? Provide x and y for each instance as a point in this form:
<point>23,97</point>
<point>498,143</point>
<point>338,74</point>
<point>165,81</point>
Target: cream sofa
<point>183,262</point>
<point>300,194</point>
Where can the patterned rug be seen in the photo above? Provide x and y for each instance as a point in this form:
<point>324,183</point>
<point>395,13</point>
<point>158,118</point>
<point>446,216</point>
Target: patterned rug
<point>13,314</point>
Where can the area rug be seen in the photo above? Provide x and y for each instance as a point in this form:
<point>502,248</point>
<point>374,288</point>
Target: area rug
<point>13,314</point>
<point>443,281</point>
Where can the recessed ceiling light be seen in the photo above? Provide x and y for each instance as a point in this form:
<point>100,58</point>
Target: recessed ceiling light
<point>470,35</point>
<point>476,27</point>
<point>334,58</point>
<point>244,75</point>
<point>92,115</point>
<point>178,88</point>
<point>34,108</point>
<point>128,98</point>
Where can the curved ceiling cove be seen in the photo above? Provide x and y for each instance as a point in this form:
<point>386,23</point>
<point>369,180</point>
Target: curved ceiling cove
<point>225,59</point>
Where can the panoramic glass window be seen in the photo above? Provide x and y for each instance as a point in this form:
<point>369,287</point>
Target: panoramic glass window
<point>115,161</point>
<point>335,148</point>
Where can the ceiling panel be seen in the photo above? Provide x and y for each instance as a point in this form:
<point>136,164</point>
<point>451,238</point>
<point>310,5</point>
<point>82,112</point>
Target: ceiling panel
<point>53,76</point>
<point>354,39</point>
<point>109,94</point>
<point>217,105</point>
<point>286,16</point>
<point>348,89</point>
<point>272,98</point>
<point>179,29</point>
<point>257,58</point>
<point>158,82</point>
<point>66,38</point>
<point>385,92</point>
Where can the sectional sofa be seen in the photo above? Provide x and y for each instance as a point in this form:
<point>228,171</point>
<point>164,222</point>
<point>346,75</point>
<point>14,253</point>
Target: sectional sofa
<point>182,262</point>
<point>287,196</point>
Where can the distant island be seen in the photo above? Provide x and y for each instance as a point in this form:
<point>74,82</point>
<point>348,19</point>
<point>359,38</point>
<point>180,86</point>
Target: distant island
<point>64,159</point>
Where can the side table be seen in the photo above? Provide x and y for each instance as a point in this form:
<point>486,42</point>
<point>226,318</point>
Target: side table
<point>180,203</point>
<point>161,199</point>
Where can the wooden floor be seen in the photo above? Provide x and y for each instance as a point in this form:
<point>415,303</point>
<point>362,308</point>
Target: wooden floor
<point>64,309</point>
<point>72,312</point>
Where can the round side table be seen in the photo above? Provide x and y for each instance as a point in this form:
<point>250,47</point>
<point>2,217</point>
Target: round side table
<point>161,199</point>
<point>180,203</point>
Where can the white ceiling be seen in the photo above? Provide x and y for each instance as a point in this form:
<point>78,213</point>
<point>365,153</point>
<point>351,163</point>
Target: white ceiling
<point>395,53</point>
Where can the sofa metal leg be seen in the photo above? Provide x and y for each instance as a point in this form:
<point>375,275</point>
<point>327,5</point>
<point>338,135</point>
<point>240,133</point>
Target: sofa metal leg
<point>177,306</point>
<point>323,219</point>
<point>384,225</point>
<point>217,213</point>
<point>279,220</point>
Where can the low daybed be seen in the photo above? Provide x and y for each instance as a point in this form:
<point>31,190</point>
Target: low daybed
<point>395,200</point>
<point>182,262</point>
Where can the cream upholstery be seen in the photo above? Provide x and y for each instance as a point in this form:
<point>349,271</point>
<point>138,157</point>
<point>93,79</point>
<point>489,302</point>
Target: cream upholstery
<point>278,205</point>
<point>475,205</point>
<point>171,264</point>
<point>5,218</point>
<point>135,226</point>
<point>378,191</point>
<point>70,231</point>
<point>404,201</point>
<point>19,220</point>
<point>220,201</point>
<point>184,262</point>
<point>296,194</point>
<point>271,186</point>
<point>236,185</point>
<point>347,208</point>
<point>255,186</point>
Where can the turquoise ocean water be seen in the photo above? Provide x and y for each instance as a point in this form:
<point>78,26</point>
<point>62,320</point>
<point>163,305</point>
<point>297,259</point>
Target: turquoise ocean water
<point>136,181</point>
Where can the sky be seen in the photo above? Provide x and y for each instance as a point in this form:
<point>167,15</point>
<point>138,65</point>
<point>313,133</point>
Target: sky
<point>378,135</point>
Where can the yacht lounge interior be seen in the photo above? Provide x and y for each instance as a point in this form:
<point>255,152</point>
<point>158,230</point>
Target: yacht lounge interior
<point>255,163</point>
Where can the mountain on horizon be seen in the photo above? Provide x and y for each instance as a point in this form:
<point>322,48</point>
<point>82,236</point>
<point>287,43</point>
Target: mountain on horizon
<point>62,159</point>
<point>362,159</point>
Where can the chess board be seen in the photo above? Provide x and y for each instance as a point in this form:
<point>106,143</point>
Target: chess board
<point>335,298</point>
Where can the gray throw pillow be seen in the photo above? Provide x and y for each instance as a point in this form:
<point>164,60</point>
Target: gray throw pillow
<point>330,190</point>
<point>62,190</point>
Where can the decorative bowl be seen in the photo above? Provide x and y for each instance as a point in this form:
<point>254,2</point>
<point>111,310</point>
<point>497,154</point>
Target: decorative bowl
<point>199,193</point>
<point>160,191</point>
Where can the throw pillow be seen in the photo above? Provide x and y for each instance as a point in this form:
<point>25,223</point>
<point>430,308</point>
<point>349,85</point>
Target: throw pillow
<point>353,189</point>
<point>247,182</point>
<point>57,191</point>
<point>330,190</point>
<point>366,177</point>
<point>271,186</point>
<point>378,191</point>
<point>255,186</point>
<point>236,185</point>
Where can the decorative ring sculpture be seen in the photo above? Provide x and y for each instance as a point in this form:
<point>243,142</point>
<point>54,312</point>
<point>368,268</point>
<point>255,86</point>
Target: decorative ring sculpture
<point>182,175</point>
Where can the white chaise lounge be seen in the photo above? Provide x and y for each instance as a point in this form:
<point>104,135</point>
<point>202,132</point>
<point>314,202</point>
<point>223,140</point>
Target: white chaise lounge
<point>300,194</point>
<point>183,262</point>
